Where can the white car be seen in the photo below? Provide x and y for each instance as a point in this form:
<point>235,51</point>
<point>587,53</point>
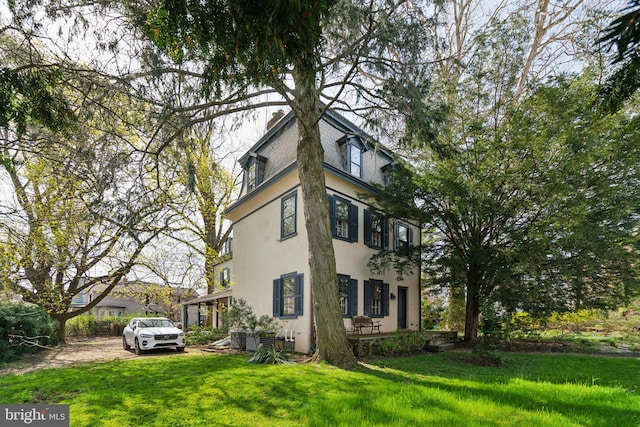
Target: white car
<point>147,333</point>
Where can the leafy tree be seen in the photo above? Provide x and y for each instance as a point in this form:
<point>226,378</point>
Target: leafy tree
<point>623,33</point>
<point>481,190</point>
<point>81,213</point>
<point>541,220</point>
<point>203,191</point>
<point>30,87</point>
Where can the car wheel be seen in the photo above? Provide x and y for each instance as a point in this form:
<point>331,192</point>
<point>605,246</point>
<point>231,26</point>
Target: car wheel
<point>179,348</point>
<point>124,344</point>
<point>138,350</point>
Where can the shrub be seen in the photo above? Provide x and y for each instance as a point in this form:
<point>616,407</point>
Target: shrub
<point>268,356</point>
<point>402,343</point>
<point>576,321</point>
<point>200,335</point>
<point>24,329</point>
<point>83,325</point>
<point>86,325</point>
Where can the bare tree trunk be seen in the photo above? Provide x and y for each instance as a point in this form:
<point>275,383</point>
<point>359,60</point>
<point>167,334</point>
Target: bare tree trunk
<point>332,343</point>
<point>62,327</point>
<point>472,312</point>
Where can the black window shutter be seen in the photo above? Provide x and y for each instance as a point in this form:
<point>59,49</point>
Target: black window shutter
<point>332,214</point>
<point>353,297</point>
<point>367,227</point>
<point>385,234</point>
<point>396,240</point>
<point>410,235</point>
<point>353,222</point>
<point>277,291</point>
<point>298,295</point>
<point>367,298</point>
<point>385,299</point>
<point>221,277</point>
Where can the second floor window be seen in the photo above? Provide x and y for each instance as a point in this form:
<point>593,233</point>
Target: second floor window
<point>403,236</point>
<point>225,277</point>
<point>344,219</point>
<point>376,230</point>
<point>288,225</point>
<point>226,247</point>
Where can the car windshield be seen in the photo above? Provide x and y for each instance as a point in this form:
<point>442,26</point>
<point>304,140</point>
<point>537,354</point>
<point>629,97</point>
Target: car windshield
<point>155,323</point>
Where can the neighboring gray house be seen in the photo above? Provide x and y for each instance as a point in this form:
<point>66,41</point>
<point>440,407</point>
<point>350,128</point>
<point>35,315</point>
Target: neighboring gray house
<point>136,297</point>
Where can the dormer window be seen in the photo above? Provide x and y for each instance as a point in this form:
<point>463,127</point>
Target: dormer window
<point>352,149</point>
<point>254,171</point>
<point>387,174</point>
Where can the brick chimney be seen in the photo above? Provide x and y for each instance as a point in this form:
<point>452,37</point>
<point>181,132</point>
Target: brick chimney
<point>275,118</point>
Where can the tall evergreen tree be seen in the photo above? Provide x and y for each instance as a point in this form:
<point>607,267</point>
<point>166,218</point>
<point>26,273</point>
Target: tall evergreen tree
<point>306,52</point>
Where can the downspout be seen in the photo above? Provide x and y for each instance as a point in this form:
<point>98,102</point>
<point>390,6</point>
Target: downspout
<point>312,321</point>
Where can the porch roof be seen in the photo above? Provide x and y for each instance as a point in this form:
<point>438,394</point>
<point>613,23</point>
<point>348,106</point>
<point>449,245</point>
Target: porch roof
<point>225,293</point>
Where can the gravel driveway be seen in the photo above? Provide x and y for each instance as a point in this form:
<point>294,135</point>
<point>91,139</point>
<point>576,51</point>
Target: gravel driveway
<point>80,350</point>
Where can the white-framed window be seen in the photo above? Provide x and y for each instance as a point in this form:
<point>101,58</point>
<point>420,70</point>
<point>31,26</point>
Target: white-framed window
<point>225,277</point>
<point>352,148</point>
<point>376,230</point>
<point>288,225</point>
<point>403,236</point>
<point>343,218</point>
<point>348,295</point>
<point>376,298</point>
<point>288,295</point>
<point>254,171</point>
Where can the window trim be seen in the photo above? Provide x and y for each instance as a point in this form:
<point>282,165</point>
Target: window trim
<point>352,295</point>
<point>278,298</point>
<point>284,199</point>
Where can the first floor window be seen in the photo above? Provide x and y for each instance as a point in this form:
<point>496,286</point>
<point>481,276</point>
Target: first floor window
<point>287,295</point>
<point>376,298</point>
<point>348,295</point>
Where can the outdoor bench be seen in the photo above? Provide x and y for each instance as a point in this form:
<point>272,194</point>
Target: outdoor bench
<point>360,322</point>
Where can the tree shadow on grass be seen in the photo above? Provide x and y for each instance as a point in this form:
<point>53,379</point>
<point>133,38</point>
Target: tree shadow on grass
<point>584,404</point>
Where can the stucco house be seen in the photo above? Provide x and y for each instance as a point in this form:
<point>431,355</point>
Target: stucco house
<point>269,265</point>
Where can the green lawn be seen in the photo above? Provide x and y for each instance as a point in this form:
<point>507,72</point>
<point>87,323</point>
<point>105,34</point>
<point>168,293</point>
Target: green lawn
<point>428,390</point>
